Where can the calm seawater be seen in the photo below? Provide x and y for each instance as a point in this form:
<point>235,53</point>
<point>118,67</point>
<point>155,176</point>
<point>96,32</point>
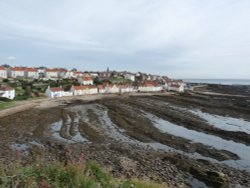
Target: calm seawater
<point>220,81</point>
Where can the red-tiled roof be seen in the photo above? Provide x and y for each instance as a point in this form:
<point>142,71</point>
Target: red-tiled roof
<point>83,87</point>
<point>79,87</point>
<point>18,69</point>
<point>56,70</point>
<point>7,88</point>
<point>2,68</point>
<point>31,70</point>
<point>149,84</point>
<point>87,78</point>
<point>56,89</point>
<point>101,86</point>
<point>112,85</point>
<point>77,73</point>
<point>91,87</point>
<point>51,70</point>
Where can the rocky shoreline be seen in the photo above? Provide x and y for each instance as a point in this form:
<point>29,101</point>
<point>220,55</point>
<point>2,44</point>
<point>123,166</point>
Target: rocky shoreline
<point>165,138</point>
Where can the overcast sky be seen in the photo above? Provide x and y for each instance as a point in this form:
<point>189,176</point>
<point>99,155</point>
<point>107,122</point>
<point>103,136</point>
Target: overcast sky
<point>179,38</point>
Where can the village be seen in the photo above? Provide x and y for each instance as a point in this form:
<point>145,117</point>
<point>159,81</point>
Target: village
<point>24,82</point>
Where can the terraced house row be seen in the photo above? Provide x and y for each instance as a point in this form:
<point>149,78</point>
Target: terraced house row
<point>149,86</point>
<point>112,81</point>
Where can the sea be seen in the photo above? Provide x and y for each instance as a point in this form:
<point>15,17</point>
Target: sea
<point>219,81</point>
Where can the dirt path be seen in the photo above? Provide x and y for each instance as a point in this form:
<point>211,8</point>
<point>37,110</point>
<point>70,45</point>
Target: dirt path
<point>50,103</point>
<point>20,106</point>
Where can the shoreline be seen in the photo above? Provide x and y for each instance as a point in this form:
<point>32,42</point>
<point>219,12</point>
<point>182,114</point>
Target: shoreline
<point>149,130</point>
<point>227,82</point>
<point>50,103</point>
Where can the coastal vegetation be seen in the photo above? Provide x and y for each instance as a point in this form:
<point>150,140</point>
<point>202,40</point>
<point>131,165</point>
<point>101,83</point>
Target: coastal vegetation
<point>58,174</point>
<point>26,89</point>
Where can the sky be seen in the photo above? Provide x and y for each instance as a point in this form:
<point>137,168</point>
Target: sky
<point>177,38</point>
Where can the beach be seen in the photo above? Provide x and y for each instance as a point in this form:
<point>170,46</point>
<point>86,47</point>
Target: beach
<point>197,138</point>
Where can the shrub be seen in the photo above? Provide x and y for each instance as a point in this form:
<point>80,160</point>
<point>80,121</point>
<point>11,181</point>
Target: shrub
<point>73,172</point>
<point>4,99</point>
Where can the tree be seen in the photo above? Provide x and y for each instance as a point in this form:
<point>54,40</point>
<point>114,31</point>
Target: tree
<point>97,81</point>
<point>6,65</point>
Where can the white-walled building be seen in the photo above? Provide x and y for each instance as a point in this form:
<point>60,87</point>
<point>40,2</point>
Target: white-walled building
<point>16,72</point>
<point>86,80</point>
<point>77,74</point>
<point>3,72</point>
<point>67,93</point>
<point>54,92</point>
<point>129,76</point>
<point>31,73</point>
<point>115,88</point>
<point>51,73</point>
<point>101,89</point>
<point>112,88</point>
<point>41,72</point>
<point>127,89</point>
<point>62,73</point>
<point>177,87</point>
<point>150,86</point>
<point>84,90</point>
<point>69,74</point>
<point>7,92</point>
<point>93,74</point>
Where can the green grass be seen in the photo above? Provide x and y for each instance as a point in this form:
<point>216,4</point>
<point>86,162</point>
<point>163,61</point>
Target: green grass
<point>56,175</point>
<point>5,105</point>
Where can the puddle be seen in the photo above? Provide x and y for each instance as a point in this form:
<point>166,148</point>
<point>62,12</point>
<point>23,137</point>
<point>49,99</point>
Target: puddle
<point>221,122</point>
<point>241,150</point>
<point>36,144</point>
<point>56,127</point>
<point>23,148</point>
<point>195,183</point>
<point>225,123</point>
<point>114,131</point>
<point>109,129</point>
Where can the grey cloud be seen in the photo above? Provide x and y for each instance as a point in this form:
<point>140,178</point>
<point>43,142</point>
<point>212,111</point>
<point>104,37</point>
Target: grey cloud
<point>186,38</point>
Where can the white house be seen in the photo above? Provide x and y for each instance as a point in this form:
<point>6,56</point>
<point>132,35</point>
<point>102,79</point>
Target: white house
<point>77,74</point>
<point>3,72</point>
<point>93,74</point>
<point>150,86</point>
<point>127,89</point>
<point>52,73</point>
<point>31,73</point>
<point>41,72</point>
<point>68,74</point>
<point>54,92</point>
<point>129,76</point>
<point>16,72</point>
<point>112,88</point>
<point>101,89</point>
<point>62,73</point>
<point>86,80</point>
<point>84,90</point>
<point>67,93</point>
<point>7,92</point>
<point>177,87</point>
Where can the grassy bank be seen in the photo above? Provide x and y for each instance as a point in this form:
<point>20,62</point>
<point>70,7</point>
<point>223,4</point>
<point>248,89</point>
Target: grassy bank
<point>5,105</point>
<point>54,175</point>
